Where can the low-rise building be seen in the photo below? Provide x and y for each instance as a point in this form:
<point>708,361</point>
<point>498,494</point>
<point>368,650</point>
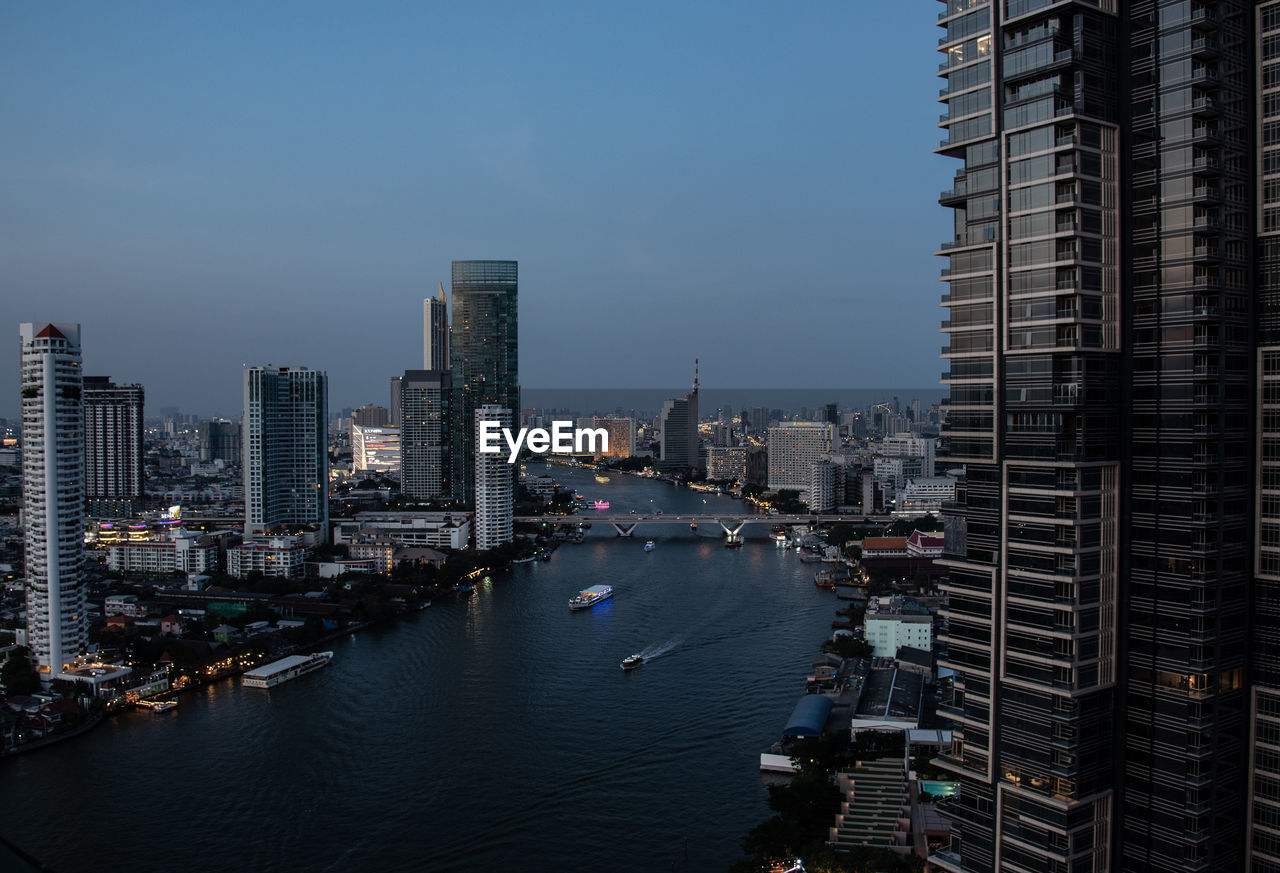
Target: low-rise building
<point>282,556</point>
<point>437,530</point>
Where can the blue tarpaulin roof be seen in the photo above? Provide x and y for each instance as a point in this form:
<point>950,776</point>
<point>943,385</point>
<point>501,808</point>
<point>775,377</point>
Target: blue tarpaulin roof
<point>808,717</point>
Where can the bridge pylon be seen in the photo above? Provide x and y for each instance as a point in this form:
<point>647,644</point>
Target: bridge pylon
<point>623,528</point>
<point>737,525</point>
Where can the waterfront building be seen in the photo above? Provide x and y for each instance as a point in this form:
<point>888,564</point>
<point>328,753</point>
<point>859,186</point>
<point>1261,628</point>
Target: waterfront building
<point>483,356</point>
<point>494,498</point>
<point>679,445</point>
<point>435,332</point>
<point>375,449</point>
<point>887,632</point>
<point>622,435</point>
<point>113,443</point>
<point>821,491</point>
<point>286,469</point>
<point>1100,361</point>
<point>53,494</point>
<point>794,447</point>
<point>875,809</point>
<point>426,440</point>
<point>219,440</point>
<point>727,463</point>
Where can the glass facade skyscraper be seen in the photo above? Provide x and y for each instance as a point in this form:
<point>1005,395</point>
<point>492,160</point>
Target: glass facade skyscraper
<point>286,449</point>
<point>1100,368</point>
<point>426,447</point>
<point>484,355</point>
<point>113,443</point>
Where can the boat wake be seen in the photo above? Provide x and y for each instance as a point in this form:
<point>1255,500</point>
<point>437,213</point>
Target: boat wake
<point>659,649</point>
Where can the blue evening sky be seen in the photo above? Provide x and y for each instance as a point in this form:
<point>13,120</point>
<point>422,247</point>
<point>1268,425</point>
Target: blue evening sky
<point>204,185</point>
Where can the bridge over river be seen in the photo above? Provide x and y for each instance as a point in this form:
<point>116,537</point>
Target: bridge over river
<point>732,525</point>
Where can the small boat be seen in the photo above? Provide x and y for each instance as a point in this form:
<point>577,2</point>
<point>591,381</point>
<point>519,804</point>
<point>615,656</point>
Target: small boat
<point>632,661</point>
<point>463,587</point>
<point>601,479</point>
<point>426,604</point>
<point>158,705</point>
<point>649,546</point>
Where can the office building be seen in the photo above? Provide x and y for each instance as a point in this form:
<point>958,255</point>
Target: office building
<point>821,491</point>
<point>53,494</point>
<point>495,500</point>
<point>794,447</point>
<point>426,441</point>
<point>1100,362</point>
<point>113,442</point>
<point>286,453</point>
<point>375,449</point>
<point>484,357</point>
<point>435,332</point>
<point>679,446</point>
<point>220,440</point>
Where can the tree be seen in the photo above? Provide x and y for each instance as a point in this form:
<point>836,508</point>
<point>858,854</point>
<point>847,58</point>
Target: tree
<point>18,673</point>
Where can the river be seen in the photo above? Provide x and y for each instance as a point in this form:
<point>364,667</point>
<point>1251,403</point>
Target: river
<point>491,731</point>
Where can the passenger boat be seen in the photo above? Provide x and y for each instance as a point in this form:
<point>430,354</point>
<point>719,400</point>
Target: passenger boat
<point>589,597</point>
<point>601,479</point>
<point>649,546</point>
<point>285,669</point>
<point>602,504</point>
<point>158,705</point>
<point>632,661</point>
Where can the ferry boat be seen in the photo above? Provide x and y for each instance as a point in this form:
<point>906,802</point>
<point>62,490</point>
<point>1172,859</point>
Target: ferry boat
<point>158,705</point>
<point>649,546</point>
<point>589,597</point>
<point>632,661</point>
<point>285,669</point>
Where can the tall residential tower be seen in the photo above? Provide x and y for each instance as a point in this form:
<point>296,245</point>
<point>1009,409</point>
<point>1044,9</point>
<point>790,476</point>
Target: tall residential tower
<point>1099,363</point>
<point>53,494</point>
<point>484,356</point>
<point>113,444</point>
<point>286,451</point>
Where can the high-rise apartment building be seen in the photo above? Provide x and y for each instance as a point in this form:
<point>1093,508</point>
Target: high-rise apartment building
<point>794,447</point>
<point>1263,845</point>
<point>484,356</point>
<point>435,332</point>
<point>495,500</point>
<point>1100,368</point>
<point>286,451</point>
<point>426,435</point>
<point>53,494</point>
<point>220,440</point>
<point>113,444</point>
<point>621,433</point>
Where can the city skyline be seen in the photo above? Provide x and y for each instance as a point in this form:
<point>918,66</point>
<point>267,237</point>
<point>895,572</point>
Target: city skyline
<point>219,201</point>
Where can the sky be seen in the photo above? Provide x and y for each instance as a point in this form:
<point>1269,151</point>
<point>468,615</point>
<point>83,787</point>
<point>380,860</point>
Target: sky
<point>202,186</point>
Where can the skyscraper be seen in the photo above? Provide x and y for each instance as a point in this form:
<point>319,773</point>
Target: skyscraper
<point>494,497</point>
<point>220,440</point>
<point>679,446</point>
<point>426,435</point>
<point>286,451</point>
<point>484,356</point>
<point>1099,365</point>
<point>113,444</point>
<point>435,332</point>
<point>53,494</point>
